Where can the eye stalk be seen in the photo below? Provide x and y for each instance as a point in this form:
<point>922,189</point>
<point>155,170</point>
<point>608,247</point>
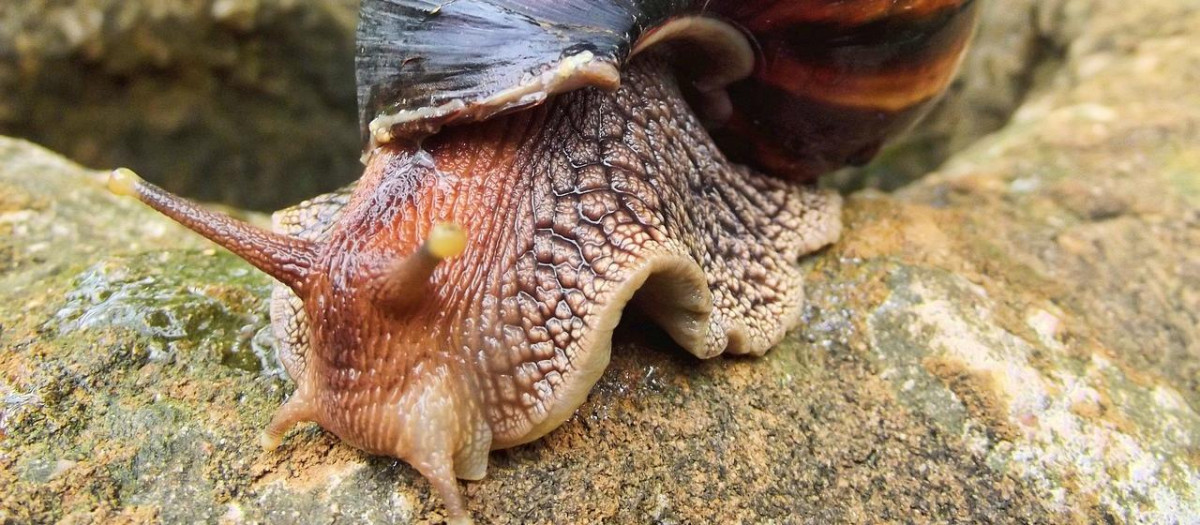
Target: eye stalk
<point>124,182</point>
<point>287,259</point>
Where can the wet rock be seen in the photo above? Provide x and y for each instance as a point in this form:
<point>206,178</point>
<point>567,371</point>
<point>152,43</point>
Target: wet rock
<point>248,102</point>
<point>1013,338</point>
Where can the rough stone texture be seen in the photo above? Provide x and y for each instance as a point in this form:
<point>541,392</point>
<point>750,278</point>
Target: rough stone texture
<point>1013,339</point>
<point>248,102</point>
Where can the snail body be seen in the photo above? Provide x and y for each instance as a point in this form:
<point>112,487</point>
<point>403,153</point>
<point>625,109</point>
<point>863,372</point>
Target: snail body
<point>532,169</point>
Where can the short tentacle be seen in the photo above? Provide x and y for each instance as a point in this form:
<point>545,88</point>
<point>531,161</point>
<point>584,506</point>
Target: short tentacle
<point>440,474</point>
<point>285,258</point>
<point>295,410</point>
<point>402,283</point>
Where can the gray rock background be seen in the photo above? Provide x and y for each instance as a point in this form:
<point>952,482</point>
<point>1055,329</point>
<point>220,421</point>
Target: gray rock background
<point>1012,338</point>
<point>248,102</point>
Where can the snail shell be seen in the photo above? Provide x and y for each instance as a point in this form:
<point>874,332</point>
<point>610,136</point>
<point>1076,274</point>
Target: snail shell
<point>533,168</point>
<point>824,85</point>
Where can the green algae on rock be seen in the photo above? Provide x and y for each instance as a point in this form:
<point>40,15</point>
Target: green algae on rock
<point>156,295</point>
<point>109,416</point>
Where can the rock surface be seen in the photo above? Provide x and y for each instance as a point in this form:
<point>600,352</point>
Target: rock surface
<point>1014,338</point>
<point>248,102</point>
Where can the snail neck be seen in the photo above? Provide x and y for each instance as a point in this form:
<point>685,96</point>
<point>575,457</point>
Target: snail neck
<point>550,199</point>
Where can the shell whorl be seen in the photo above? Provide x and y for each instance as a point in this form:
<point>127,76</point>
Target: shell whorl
<point>831,81</point>
<point>835,80</point>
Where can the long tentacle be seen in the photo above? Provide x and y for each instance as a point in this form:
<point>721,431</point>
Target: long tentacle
<point>285,258</point>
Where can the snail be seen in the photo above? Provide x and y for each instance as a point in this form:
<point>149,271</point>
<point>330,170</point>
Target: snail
<point>534,168</point>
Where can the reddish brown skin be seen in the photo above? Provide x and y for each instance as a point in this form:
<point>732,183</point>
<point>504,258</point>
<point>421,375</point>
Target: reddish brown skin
<point>570,208</point>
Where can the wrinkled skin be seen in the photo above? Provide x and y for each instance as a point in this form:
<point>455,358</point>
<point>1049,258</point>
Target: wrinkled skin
<point>570,208</point>
<point>573,211</point>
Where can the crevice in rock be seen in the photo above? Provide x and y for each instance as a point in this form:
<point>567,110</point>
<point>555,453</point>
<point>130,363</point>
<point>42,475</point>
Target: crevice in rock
<point>1012,58</point>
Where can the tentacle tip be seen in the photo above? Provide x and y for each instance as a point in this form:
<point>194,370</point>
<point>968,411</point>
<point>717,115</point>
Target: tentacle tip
<point>269,441</point>
<point>460,520</point>
<point>446,240</point>
<point>124,182</point>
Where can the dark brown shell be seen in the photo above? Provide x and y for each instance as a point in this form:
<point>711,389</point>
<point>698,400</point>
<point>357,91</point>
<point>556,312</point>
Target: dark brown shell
<point>436,62</point>
<point>832,79</point>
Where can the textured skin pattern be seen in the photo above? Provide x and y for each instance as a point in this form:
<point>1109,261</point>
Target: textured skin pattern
<point>634,187</point>
<point>570,209</point>
<point>573,209</point>
<point>310,220</point>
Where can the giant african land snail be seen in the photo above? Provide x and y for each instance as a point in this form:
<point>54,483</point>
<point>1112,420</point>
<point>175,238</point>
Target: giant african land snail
<point>569,159</point>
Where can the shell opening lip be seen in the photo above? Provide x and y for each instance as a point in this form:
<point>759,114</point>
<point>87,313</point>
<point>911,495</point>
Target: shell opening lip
<point>571,73</point>
<point>725,55</point>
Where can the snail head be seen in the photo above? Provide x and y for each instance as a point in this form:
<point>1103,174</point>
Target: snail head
<point>369,353</point>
